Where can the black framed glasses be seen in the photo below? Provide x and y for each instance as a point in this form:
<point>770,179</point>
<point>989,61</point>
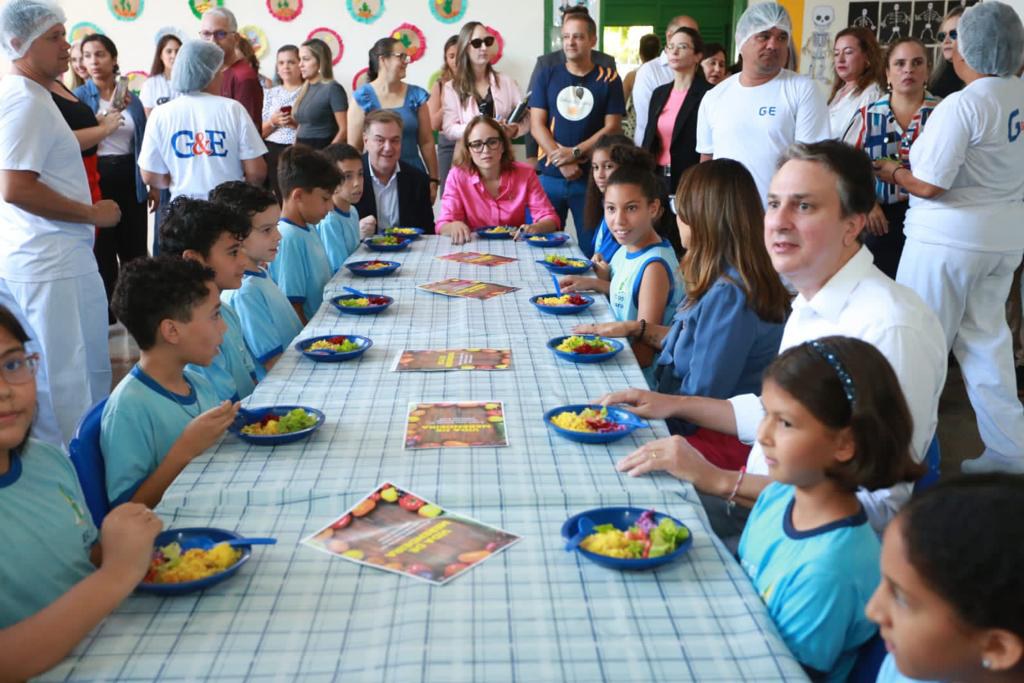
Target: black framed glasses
<point>942,35</point>
<point>20,369</point>
<point>480,42</point>
<point>490,143</point>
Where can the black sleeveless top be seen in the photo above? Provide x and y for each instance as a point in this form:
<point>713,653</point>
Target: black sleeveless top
<point>78,115</point>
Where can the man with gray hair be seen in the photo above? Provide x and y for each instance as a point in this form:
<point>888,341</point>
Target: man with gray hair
<point>654,73</point>
<point>755,115</point>
<point>239,80</point>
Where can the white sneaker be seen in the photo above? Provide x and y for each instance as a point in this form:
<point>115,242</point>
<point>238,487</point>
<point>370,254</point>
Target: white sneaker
<point>990,461</point>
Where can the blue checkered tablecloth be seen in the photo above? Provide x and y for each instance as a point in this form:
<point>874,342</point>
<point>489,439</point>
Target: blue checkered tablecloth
<point>532,613</point>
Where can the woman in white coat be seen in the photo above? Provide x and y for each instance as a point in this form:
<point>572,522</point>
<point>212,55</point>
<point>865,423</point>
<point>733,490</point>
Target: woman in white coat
<point>965,226</point>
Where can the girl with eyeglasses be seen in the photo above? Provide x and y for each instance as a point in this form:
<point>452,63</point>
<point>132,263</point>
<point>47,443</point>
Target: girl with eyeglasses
<point>386,89</point>
<point>944,80</point>
<point>61,578</point>
<point>487,187</point>
<point>477,88</point>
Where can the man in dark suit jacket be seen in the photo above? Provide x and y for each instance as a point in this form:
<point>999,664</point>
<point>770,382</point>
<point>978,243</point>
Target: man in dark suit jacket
<point>392,193</point>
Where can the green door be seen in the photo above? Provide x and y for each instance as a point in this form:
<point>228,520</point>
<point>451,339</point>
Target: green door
<point>715,17</point>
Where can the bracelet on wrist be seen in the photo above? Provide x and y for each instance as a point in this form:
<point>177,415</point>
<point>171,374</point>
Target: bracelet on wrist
<point>643,329</point>
<point>731,500</point>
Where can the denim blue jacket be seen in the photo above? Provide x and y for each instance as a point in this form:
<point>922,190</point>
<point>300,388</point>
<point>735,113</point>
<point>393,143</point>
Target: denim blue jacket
<point>90,94</point>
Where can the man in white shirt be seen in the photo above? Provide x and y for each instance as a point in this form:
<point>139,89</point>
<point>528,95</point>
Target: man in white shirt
<point>652,74</point>
<point>47,268</point>
<point>199,140</point>
<point>817,208</point>
<point>754,116</point>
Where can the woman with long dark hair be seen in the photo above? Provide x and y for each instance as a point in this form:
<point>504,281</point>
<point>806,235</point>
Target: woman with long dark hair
<point>157,88</point>
<point>279,126</point>
<point>321,107</point>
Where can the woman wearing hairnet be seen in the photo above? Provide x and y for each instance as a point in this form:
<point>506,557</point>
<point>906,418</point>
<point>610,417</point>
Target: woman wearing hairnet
<point>965,226</point>
<point>199,140</point>
<point>46,263</point>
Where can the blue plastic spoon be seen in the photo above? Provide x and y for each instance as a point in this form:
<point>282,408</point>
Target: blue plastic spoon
<point>207,543</point>
<point>585,527</point>
<point>558,289</point>
<point>356,292</point>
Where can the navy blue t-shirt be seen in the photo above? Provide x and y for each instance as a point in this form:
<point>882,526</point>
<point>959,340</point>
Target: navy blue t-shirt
<point>576,105</point>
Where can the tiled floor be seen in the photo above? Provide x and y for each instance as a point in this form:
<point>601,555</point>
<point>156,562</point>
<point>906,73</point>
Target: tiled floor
<point>958,431</point>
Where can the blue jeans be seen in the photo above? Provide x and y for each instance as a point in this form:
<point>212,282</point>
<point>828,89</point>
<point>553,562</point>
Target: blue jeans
<point>569,195</point>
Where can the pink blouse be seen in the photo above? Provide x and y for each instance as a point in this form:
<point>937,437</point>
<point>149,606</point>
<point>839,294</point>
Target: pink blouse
<point>456,115</point>
<point>467,200</point>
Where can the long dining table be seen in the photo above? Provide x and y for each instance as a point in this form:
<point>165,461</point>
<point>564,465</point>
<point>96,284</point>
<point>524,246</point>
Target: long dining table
<point>531,613</point>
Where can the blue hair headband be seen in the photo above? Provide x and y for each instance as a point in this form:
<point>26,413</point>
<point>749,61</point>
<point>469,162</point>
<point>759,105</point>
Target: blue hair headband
<point>832,358</point>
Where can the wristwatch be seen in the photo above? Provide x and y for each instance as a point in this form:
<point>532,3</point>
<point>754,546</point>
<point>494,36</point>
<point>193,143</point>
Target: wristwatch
<point>576,153</point>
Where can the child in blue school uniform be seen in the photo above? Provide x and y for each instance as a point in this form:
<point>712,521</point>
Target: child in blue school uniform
<point>729,326</point>
<point>212,235</point>
<point>53,593</point>
<point>308,180</point>
<point>950,605</point>
<point>641,281</point>
<point>269,323</point>
<point>341,229</point>
<point>835,420</point>
<point>163,414</point>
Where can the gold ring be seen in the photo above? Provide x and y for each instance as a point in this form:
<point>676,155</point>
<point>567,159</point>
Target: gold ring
<point>655,454</point>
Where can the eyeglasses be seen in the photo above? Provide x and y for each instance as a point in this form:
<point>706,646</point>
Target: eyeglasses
<point>401,56</point>
<point>491,143</point>
<point>480,42</point>
<point>19,370</point>
<point>216,36</point>
<point>942,35</point>
<point>678,47</point>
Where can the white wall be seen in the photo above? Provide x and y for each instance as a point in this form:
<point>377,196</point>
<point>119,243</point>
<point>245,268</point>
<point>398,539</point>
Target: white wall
<point>520,23</point>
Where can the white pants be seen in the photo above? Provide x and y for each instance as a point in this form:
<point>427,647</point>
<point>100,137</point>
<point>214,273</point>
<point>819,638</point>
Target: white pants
<point>69,318</point>
<point>44,426</point>
<point>968,290</point>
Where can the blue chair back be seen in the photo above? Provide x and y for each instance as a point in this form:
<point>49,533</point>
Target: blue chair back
<point>869,661</point>
<point>933,461</point>
<point>87,458</point>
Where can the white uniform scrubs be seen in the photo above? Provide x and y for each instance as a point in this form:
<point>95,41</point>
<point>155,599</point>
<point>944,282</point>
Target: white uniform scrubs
<point>47,266</point>
<point>963,246</point>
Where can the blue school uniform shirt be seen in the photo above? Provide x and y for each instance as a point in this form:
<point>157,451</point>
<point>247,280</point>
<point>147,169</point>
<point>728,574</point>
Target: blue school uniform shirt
<point>141,422</point>
<point>888,673</point>
<point>301,268</point>
<point>234,371</point>
<point>339,232</point>
<point>604,242</point>
<point>576,105</point>
<point>46,534</point>
<point>718,347</point>
<point>269,323</point>
<point>815,583</point>
<point>627,275</point>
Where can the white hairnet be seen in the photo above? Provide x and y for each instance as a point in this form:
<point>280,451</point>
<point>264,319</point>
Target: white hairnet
<point>22,21</point>
<point>991,38</point>
<point>196,65</point>
<point>762,17</point>
<point>169,31</point>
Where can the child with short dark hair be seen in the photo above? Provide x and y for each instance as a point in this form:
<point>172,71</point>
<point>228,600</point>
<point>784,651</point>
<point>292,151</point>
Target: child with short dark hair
<point>951,601</point>
<point>53,594</point>
<point>163,414</point>
<point>341,229</point>
<point>301,269</point>
<point>212,235</point>
<point>835,420</point>
<point>269,323</point>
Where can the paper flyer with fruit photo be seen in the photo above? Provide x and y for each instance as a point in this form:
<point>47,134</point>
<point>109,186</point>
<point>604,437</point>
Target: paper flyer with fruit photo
<point>397,531</point>
<point>463,424</point>
<point>468,289</point>
<point>475,258</point>
<point>452,359</point>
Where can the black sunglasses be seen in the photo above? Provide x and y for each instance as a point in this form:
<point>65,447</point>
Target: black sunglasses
<point>941,35</point>
<point>480,42</point>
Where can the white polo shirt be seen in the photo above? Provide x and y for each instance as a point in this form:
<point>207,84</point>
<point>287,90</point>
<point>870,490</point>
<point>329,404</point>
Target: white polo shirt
<point>862,302</point>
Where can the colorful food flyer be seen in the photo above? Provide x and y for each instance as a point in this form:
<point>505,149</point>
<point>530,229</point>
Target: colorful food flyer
<point>398,531</point>
<point>477,259</point>
<point>455,425</point>
<point>469,289</point>
<point>453,359</point>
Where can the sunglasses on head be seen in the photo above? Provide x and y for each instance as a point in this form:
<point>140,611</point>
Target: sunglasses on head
<point>480,42</point>
<point>941,35</point>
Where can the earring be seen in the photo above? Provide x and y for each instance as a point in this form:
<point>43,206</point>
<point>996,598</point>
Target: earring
<point>986,664</point>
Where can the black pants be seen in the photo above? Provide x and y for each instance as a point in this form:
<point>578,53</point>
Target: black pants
<point>126,240</point>
<point>888,248</point>
<point>274,150</point>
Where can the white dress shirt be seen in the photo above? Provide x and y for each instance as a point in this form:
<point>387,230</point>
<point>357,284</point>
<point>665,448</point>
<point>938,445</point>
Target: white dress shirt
<point>861,302</point>
<point>386,196</point>
<point>649,76</point>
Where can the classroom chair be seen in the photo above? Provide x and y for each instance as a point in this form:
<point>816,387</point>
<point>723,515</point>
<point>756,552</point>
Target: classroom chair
<point>87,458</point>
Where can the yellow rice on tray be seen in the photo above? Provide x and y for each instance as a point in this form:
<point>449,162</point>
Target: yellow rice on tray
<point>577,422</point>
<point>170,565</point>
